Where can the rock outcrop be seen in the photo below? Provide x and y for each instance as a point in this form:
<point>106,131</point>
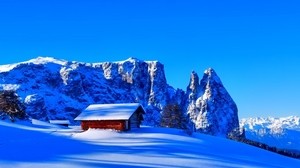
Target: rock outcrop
<point>210,106</point>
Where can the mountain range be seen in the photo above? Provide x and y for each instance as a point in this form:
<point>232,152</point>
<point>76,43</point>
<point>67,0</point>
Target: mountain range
<point>282,132</point>
<point>58,89</point>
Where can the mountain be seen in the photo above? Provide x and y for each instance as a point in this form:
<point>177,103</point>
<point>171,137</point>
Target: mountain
<point>280,132</point>
<point>59,89</point>
<point>210,106</point>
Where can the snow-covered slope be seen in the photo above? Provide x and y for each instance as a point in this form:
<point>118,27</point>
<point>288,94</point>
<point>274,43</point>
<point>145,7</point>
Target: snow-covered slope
<point>279,132</point>
<point>24,145</point>
<point>59,89</point>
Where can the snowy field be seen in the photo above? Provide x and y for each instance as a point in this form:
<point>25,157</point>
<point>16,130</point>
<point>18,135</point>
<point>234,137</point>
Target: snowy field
<point>26,145</point>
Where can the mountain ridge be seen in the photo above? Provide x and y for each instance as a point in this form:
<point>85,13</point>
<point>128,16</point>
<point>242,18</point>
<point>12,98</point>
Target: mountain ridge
<point>59,89</point>
<point>282,132</point>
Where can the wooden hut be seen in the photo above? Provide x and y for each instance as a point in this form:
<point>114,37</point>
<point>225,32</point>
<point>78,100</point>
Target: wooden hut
<point>120,117</point>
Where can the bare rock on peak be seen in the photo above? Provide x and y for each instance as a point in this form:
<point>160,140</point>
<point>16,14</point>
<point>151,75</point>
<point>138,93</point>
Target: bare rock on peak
<point>217,113</point>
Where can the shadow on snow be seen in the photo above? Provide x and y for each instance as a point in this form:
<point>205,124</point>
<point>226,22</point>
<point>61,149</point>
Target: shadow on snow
<point>19,145</point>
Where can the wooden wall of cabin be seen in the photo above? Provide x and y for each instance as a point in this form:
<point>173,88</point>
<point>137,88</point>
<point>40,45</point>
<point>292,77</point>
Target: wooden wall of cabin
<point>134,120</point>
<point>104,124</point>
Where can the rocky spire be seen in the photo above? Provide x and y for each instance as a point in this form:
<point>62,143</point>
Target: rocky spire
<point>193,88</point>
<point>218,113</point>
<point>192,92</point>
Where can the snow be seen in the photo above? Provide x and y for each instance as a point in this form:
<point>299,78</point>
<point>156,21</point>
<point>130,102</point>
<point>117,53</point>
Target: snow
<point>214,112</point>
<point>272,122</point>
<point>38,144</point>
<point>279,132</point>
<point>46,60</point>
<point>59,121</point>
<point>130,59</point>
<point>59,89</point>
<point>6,68</point>
<point>9,86</point>
<point>37,61</point>
<point>108,111</point>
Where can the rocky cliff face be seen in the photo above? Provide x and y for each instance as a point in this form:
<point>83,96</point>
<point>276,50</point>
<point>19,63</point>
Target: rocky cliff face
<point>58,89</point>
<point>211,108</point>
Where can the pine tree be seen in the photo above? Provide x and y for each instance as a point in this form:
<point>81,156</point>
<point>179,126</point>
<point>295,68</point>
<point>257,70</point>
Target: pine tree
<point>173,117</point>
<point>11,106</point>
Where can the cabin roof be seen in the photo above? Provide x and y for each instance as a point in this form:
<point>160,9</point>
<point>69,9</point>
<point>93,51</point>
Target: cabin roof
<point>109,111</point>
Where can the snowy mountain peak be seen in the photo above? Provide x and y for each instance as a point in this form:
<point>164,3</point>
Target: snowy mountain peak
<point>214,111</point>
<point>193,87</point>
<point>280,132</point>
<point>133,59</point>
<point>59,89</point>
<point>36,61</point>
<point>209,71</point>
<point>210,76</point>
<point>130,59</point>
<point>46,60</point>
<point>194,81</point>
<point>291,122</point>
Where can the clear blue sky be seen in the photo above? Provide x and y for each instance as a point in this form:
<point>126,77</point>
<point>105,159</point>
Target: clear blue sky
<point>253,45</point>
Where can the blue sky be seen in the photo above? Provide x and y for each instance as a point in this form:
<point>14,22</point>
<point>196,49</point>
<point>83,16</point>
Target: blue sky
<point>254,46</point>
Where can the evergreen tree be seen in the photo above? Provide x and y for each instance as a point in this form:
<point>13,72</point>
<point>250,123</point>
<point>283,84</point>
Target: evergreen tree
<point>173,117</point>
<point>11,106</point>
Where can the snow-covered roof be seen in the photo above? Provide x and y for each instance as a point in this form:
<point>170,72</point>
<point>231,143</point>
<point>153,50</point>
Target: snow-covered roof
<point>109,111</point>
<point>59,121</point>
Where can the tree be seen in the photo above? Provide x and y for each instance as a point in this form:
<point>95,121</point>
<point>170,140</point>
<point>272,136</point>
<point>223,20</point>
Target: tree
<point>237,134</point>
<point>11,106</point>
<point>173,117</point>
